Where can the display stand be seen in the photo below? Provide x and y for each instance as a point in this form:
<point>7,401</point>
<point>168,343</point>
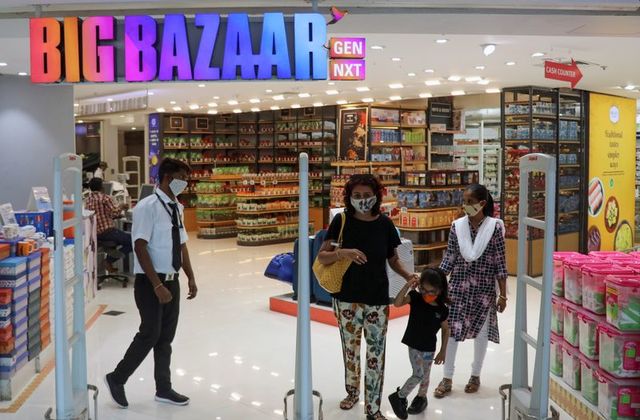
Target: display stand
<point>216,206</point>
<point>131,167</point>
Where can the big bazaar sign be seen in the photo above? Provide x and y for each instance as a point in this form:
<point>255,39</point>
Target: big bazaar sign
<point>207,47</point>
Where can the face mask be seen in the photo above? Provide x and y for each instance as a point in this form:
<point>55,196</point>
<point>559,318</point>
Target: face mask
<point>364,205</point>
<point>472,210</point>
<point>178,186</point>
<point>430,298</point>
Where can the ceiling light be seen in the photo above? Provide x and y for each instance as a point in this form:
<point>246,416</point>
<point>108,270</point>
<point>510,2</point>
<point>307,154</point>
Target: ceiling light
<point>22,73</point>
<point>510,63</point>
<point>425,95</point>
<point>367,100</point>
<point>212,112</point>
<point>3,64</point>
<point>304,95</point>
<point>331,83</point>
<point>363,89</point>
<point>396,85</point>
<point>473,79</point>
<point>483,82</point>
<point>109,99</point>
<point>255,109</point>
<point>201,85</point>
<point>80,121</point>
<point>278,98</point>
<point>232,102</point>
<point>332,92</point>
<point>377,47</point>
<point>493,90</point>
<point>317,104</point>
<point>254,100</point>
<point>76,105</point>
<point>237,111</point>
<point>488,49</point>
<point>172,102</point>
<point>396,59</point>
<point>268,90</point>
<point>395,98</point>
<point>177,108</point>
<point>454,78</point>
<point>194,106</point>
<point>457,93</point>
<point>480,67</point>
<point>122,116</point>
<point>429,71</point>
<point>434,82</point>
<point>160,110</point>
<point>275,108</point>
<point>411,74</point>
<point>212,105</point>
<point>629,87</point>
<point>442,41</point>
<point>537,54</point>
<point>342,102</point>
<point>134,128</point>
<point>216,97</point>
<point>295,106</point>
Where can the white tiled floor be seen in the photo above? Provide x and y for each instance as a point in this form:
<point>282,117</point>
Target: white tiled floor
<point>235,358</point>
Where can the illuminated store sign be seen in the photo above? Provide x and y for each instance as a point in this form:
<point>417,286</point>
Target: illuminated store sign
<point>206,47</point>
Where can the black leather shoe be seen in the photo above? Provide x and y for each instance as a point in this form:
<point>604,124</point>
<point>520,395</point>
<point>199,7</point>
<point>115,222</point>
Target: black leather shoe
<point>116,391</point>
<point>399,405</point>
<point>171,397</point>
<point>418,405</point>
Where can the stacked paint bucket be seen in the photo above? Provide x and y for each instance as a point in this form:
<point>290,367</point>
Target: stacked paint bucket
<point>595,343</point>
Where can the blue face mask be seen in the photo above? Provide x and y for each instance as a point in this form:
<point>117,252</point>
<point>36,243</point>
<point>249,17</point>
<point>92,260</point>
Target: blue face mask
<point>363,205</point>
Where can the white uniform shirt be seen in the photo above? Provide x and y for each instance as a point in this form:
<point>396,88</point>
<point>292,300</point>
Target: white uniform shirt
<point>152,223</point>
<point>98,174</point>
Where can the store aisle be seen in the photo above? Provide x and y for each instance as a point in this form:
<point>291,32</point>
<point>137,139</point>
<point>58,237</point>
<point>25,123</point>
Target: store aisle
<point>235,358</point>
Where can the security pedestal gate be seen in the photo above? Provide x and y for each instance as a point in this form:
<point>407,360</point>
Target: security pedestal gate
<point>532,402</point>
<point>72,402</point>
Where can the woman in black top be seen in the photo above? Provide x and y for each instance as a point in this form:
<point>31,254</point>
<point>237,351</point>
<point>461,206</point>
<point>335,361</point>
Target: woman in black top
<point>369,240</point>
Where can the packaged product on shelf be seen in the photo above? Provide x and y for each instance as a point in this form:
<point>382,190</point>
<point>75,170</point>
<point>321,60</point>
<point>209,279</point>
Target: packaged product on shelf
<point>557,316</point>
<point>588,333</point>
<point>571,328</point>
<point>623,303</point>
<point>571,366</point>
<point>594,287</point>
<point>619,352</point>
<point>556,355</point>
<point>558,271</point>
<point>618,399</point>
<point>589,380</point>
<point>573,277</point>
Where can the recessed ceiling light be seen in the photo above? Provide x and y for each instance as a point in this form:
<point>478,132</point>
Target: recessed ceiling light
<point>480,67</point>
<point>3,64</point>
<point>122,116</point>
<point>429,70</point>
<point>255,109</point>
<point>396,59</point>
<point>493,90</point>
<point>332,92</point>
<point>304,95</point>
<point>342,102</point>
<point>278,98</point>
<point>295,106</point>
<point>194,106</point>
<point>488,49</point>
<point>457,93</point>
<point>216,97</point>
<point>268,90</point>
<point>367,100</point>
<point>177,108</point>
<point>150,93</point>
<point>318,104</point>
<point>212,112</point>
<point>377,47</point>
<point>76,105</point>
<point>331,83</point>
<point>510,63</point>
<point>395,98</point>
<point>454,78</point>
<point>232,102</point>
<point>275,108</point>
<point>363,89</point>
<point>411,74</point>
<point>201,85</point>
<point>109,99</point>
<point>425,95</point>
<point>434,82</point>
<point>537,54</point>
<point>483,82</point>
<point>237,111</point>
<point>472,79</point>
<point>172,102</point>
<point>629,87</point>
<point>254,100</point>
<point>396,85</point>
<point>442,41</point>
<point>212,105</point>
<point>22,73</point>
<point>80,121</point>
<point>134,128</point>
<point>160,110</point>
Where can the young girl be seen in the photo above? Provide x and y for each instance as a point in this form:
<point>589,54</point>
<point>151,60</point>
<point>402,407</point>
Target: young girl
<point>429,313</point>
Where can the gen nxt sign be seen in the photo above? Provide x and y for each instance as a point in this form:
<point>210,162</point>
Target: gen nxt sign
<point>206,47</point>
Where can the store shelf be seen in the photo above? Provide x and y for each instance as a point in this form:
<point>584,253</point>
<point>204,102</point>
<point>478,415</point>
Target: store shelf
<point>430,247</point>
<point>423,188</point>
<point>266,227</point>
<point>259,212</point>
<point>218,235</point>
<point>265,197</point>
<point>271,242</point>
<point>415,210</point>
<point>425,229</point>
<point>216,208</point>
<point>217,223</point>
<point>416,162</point>
<point>448,131</point>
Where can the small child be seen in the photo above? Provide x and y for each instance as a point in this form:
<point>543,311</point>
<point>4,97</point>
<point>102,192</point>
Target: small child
<point>428,314</point>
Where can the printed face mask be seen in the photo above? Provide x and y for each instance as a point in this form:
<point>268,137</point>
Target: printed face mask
<point>429,298</point>
<point>363,205</point>
<point>472,209</point>
<point>178,186</point>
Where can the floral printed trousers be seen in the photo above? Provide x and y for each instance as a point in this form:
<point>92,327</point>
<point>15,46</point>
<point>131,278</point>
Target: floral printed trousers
<point>353,318</point>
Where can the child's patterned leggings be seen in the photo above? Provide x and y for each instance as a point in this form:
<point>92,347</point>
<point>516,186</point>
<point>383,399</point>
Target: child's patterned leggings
<point>421,364</point>
<point>353,318</point>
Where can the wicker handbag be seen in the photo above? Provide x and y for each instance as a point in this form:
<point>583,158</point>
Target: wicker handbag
<point>330,276</point>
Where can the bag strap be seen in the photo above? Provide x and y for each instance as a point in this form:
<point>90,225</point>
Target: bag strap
<point>344,221</point>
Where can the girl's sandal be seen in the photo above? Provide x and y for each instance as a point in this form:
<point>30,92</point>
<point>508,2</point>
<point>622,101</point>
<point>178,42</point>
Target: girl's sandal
<point>473,385</point>
<point>443,389</point>
<point>349,402</point>
<point>377,416</point>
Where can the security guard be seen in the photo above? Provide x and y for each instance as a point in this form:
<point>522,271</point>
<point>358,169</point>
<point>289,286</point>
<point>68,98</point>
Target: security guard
<point>159,239</point>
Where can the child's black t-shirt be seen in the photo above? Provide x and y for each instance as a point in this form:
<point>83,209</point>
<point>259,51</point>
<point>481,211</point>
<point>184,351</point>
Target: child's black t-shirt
<point>424,323</point>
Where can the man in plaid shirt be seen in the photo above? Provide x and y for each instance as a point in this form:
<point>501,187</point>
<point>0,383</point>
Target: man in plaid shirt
<point>106,210</point>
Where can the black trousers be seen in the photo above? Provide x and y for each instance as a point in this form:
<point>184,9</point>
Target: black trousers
<point>157,330</point>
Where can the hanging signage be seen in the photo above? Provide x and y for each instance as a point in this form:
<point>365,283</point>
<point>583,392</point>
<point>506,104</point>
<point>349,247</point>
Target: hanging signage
<point>205,48</point>
<point>611,192</point>
<point>566,73</point>
<point>347,58</point>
